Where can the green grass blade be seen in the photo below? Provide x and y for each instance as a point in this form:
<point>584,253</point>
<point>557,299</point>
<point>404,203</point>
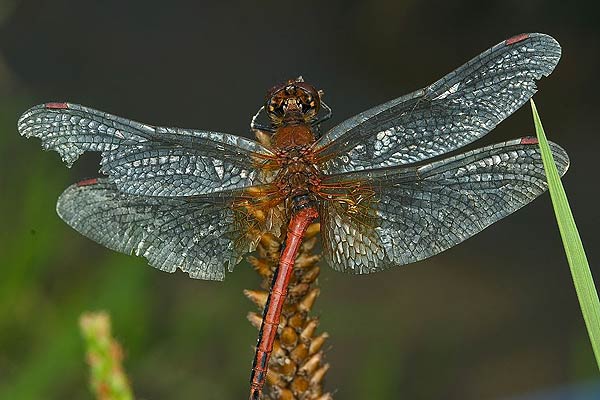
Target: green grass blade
<point>580,269</point>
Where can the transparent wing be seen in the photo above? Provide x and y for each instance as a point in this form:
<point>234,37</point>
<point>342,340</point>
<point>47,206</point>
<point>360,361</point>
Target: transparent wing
<point>195,236</point>
<point>142,159</point>
<point>461,107</point>
<point>421,211</point>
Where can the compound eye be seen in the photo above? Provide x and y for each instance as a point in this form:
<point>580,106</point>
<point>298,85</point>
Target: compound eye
<point>308,103</point>
<point>275,89</point>
<point>275,108</point>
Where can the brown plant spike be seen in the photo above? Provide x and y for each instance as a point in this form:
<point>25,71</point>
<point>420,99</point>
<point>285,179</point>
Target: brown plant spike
<point>296,368</point>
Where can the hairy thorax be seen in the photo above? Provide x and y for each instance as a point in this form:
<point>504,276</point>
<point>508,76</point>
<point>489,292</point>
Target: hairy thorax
<point>298,174</point>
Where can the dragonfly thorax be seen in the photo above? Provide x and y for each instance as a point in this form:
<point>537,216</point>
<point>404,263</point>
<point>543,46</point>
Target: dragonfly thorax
<point>298,173</point>
<point>294,135</point>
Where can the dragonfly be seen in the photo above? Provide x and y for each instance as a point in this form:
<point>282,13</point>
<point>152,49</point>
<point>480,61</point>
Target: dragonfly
<point>381,183</point>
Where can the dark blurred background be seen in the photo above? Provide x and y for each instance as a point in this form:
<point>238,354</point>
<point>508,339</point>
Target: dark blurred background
<point>494,318</point>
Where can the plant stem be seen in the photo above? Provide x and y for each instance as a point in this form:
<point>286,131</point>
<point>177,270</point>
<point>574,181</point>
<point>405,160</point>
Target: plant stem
<point>104,355</point>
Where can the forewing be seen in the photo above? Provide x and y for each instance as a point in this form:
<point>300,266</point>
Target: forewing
<point>195,236</point>
<point>461,107</point>
<point>422,211</point>
<point>146,160</point>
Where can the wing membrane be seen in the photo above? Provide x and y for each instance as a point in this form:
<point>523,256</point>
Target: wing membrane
<point>195,236</point>
<point>142,159</point>
<point>422,211</point>
<point>461,107</point>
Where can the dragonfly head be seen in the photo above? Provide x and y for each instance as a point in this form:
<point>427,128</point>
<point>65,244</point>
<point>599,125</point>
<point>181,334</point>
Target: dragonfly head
<point>292,101</point>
